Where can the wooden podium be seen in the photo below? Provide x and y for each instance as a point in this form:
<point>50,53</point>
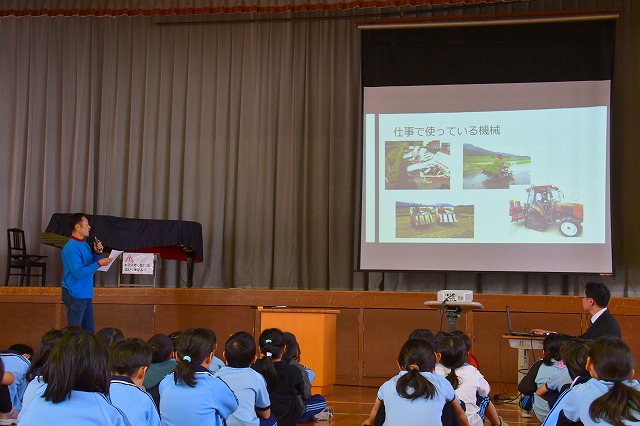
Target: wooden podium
<point>315,330</point>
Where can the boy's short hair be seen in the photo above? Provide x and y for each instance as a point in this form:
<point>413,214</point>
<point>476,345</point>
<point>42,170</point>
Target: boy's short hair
<point>22,349</point>
<point>128,355</point>
<point>240,350</point>
<point>162,346</point>
<point>574,353</point>
<point>110,335</point>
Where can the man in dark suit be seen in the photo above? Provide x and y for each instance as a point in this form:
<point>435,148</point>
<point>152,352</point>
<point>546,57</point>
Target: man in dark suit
<point>595,299</point>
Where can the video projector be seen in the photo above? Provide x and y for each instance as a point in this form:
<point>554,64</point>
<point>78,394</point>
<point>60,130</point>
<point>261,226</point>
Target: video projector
<point>455,296</point>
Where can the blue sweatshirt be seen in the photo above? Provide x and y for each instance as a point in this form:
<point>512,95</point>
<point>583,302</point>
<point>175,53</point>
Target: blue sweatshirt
<point>79,264</point>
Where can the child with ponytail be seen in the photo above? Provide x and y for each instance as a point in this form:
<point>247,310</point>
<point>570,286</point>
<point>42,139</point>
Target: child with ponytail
<point>470,385</point>
<point>416,396</point>
<point>611,396</point>
<point>284,382</point>
<point>191,395</point>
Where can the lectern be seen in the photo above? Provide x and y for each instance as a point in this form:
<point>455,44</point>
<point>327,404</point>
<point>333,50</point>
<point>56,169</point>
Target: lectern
<point>315,330</point>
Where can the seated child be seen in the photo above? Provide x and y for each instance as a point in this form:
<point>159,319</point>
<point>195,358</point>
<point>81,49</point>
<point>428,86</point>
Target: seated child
<point>129,360</point>
<point>191,395</point>
<point>416,396</point>
<point>6,379</point>
<point>292,356</point>
<point>563,379</point>
<point>249,386</point>
<point>40,357</point>
<point>216,363</point>
<point>285,383</point>
<point>574,353</point>
<point>541,371</point>
<point>470,386</point>
<point>162,364</point>
<point>77,378</point>
<point>611,396</point>
<point>18,366</point>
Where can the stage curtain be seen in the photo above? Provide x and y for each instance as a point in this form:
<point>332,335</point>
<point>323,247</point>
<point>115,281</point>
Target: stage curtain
<point>201,7</point>
<point>250,128</point>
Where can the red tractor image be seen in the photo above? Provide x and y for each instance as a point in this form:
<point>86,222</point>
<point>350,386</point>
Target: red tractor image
<point>544,207</point>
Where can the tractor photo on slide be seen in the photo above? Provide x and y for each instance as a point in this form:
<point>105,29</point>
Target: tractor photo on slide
<point>544,207</point>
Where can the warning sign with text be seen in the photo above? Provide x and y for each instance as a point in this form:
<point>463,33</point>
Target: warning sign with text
<point>137,263</point>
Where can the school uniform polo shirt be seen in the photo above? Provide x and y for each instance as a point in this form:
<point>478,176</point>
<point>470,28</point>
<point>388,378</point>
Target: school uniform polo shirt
<point>251,390</point>
<point>18,366</point>
<point>209,403</point>
<point>578,401</point>
<point>79,409</point>
<point>135,403</point>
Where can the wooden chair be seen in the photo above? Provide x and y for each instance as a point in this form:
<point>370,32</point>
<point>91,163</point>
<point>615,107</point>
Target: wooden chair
<point>22,262</point>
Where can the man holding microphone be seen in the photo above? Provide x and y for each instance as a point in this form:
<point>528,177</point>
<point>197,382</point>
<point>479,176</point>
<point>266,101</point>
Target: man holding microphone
<point>79,262</point>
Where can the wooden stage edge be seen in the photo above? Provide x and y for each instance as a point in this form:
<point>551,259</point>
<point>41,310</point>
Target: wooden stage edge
<point>371,326</point>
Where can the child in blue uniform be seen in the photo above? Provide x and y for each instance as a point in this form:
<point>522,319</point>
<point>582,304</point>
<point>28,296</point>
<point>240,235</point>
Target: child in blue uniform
<point>574,353</point>
<point>191,395</point>
<point>416,396</point>
<point>129,360</point>
<point>249,387</point>
<point>5,397</point>
<point>40,357</point>
<point>77,378</point>
<point>18,366</point>
<point>611,396</point>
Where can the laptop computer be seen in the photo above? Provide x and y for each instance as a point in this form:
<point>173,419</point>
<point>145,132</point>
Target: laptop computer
<point>517,333</point>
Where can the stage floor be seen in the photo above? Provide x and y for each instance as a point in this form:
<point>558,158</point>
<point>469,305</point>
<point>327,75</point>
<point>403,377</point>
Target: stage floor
<point>352,405</point>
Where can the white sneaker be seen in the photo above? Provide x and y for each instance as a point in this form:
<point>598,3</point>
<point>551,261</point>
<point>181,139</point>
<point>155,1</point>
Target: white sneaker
<point>325,414</point>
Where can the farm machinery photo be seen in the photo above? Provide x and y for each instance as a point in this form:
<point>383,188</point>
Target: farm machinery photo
<point>544,207</point>
<point>426,215</point>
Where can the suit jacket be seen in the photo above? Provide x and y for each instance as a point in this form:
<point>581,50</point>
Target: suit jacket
<point>605,325</point>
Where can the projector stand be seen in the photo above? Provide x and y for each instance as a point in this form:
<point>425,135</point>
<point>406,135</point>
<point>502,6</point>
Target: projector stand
<point>453,310</point>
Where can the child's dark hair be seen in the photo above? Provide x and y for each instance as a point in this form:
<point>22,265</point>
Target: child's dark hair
<point>128,355</point>
<point>174,338</point>
<point>110,335</point>
<point>613,361</point>
<point>47,342</point>
<point>22,349</point>
<point>551,346</point>
<point>574,353</point>
<point>77,361</point>
<point>240,350</point>
<point>272,345</point>
<point>416,355</point>
<point>162,346</point>
<point>453,355</point>
<point>292,347</point>
<point>424,333</point>
<point>192,347</point>
<point>464,337</point>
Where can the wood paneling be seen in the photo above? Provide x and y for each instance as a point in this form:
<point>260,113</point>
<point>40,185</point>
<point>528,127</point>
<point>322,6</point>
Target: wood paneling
<point>371,326</point>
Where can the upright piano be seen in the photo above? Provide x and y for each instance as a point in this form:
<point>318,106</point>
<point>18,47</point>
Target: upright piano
<point>170,239</point>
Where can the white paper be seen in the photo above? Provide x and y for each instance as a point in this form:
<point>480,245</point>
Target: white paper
<point>113,255</point>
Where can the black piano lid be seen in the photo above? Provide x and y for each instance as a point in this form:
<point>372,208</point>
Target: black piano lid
<point>170,238</point>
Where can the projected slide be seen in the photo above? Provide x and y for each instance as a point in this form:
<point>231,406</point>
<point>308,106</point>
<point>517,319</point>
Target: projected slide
<point>478,174</point>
